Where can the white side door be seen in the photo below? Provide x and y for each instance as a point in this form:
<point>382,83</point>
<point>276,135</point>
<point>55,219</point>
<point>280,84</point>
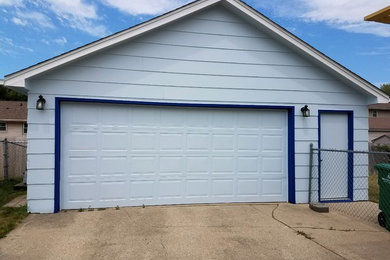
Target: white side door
<point>334,135</point>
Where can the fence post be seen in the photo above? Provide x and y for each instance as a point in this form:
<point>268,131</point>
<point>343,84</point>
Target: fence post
<point>5,159</point>
<point>310,171</point>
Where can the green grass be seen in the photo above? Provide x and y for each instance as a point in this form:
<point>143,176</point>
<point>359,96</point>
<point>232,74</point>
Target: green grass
<point>7,192</point>
<point>10,217</point>
<point>373,188</point>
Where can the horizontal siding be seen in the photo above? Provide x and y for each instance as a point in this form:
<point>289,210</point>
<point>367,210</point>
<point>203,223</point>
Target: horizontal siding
<point>40,206</point>
<point>213,57</point>
<point>38,192</point>
<point>42,176</point>
<point>45,146</point>
<point>189,53</point>
<point>40,161</point>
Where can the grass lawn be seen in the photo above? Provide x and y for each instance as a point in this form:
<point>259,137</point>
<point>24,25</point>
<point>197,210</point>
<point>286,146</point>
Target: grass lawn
<point>7,192</point>
<point>10,217</point>
<point>373,188</point>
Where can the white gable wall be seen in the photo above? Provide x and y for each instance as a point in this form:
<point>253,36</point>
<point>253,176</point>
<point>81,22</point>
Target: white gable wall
<point>212,57</point>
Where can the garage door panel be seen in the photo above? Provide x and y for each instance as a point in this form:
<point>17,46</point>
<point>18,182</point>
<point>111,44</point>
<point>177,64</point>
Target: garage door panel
<point>82,166</point>
<point>223,164</point>
<point>171,141</point>
<point>142,189</point>
<point>223,188</point>
<point>114,141</point>
<point>197,188</point>
<point>272,187</point>
<point>272,164</point>
<point>83,141</point>
<point>144,141</point>
<point>248,187</point>
<point>147,164</point>
<point>171,165</point>
<point>273,120</point>
<point>248,142</point>
<point>198,141</point>
<point>113,165</point>
<point>198,164</point>
<point>273,143</point>
<point>113,190</point>
<point>170,155</point>
<point>170,188</point>
<point>223,142</point>
<point>81,192</point>
<point>247,164</point>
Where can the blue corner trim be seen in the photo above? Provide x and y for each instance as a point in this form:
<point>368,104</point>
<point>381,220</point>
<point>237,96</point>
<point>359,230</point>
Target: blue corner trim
<point>59,100</point>
<point>291,155</point>
<point>350,155</point>
<point>57,155</point>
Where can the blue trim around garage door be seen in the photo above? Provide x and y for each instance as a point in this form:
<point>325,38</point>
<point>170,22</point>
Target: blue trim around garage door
<point>291,135</point>
<point>350,155</point>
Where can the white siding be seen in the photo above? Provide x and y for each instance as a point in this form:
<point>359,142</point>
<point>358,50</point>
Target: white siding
<point>211,57</point>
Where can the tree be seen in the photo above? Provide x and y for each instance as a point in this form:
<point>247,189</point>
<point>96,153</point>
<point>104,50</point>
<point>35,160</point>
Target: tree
<point>9,94</point>
<point>386,88</point>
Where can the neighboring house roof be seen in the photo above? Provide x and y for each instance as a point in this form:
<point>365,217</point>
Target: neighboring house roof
<point>17,79</point>
<point>381,16</point>
<point>15,111</point>
<point>380,106</point>
<point>380,137</point>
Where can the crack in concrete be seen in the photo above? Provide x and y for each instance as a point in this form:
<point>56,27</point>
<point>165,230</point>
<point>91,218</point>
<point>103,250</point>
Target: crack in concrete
<point>298,232</point>
<point>343,230</point>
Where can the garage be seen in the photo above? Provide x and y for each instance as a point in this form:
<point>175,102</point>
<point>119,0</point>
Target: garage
<point>129,155</point>
<point>209,103</point>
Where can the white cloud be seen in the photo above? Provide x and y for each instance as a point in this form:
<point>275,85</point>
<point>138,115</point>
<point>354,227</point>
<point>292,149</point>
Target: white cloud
<point>78,15</point>
<point>75,8</point>
<point>8,47</point>
<point>61,41</point>
<point>32,18</point>
<point>11,2</point>
<point>18,21</point>
<point>345,15</point>
<point>150,7</point>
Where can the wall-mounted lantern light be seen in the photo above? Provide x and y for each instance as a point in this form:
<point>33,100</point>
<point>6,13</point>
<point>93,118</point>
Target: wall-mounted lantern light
<point>305,111</point>
<point>41,103</point>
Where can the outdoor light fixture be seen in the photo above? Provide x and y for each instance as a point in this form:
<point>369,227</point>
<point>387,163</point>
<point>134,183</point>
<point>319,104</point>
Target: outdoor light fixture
<point>41,103</point>
<point>305,111</point>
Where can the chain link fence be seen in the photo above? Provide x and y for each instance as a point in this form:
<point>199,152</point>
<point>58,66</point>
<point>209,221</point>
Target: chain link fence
<point>13,159</point>
<point>347,181</point>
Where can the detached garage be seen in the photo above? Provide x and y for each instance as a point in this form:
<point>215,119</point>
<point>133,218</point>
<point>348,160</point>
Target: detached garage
<point>209,103</point>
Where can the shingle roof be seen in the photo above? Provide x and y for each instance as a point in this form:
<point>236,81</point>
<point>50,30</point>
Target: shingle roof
<point>380,106</point>
<point>13,111</point>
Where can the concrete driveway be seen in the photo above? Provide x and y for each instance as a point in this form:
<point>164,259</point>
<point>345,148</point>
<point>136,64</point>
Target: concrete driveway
<point>230,231</point>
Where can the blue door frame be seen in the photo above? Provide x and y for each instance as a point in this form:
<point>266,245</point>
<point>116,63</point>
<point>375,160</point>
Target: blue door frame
<point>290,134</point>
<point>350,155</point>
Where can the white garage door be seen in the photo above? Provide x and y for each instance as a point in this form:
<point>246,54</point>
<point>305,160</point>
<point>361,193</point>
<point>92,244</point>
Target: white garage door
<point>132,155</point>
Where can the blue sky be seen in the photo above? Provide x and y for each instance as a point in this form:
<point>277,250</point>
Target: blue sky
<point>34,30</point>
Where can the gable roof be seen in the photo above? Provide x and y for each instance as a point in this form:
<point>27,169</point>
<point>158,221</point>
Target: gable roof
<point>15,111</point>
<point>380,137</point>
<point>17,79</point>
